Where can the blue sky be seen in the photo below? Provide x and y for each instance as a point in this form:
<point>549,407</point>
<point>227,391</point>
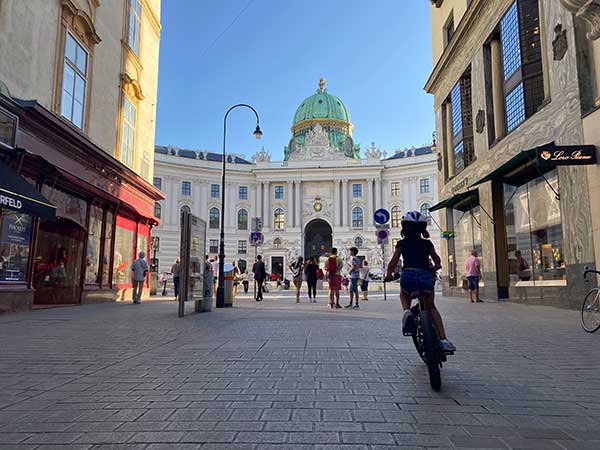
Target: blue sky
<point>375,56</point>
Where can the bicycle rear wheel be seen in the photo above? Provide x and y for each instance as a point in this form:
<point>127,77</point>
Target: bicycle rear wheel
<point>590,311</point>
<point>431,350</point>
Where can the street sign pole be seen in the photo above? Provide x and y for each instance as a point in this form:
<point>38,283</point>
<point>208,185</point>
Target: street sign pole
<point>384,270</point>
<point>255,255</point>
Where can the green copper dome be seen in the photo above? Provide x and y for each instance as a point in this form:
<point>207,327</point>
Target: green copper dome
<point>321,105</point>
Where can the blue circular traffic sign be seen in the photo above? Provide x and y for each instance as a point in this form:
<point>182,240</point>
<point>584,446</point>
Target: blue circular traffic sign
<point>381,216</point>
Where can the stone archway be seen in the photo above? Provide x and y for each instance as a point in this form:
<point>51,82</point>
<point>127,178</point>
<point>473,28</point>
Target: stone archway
<point>318,238</point>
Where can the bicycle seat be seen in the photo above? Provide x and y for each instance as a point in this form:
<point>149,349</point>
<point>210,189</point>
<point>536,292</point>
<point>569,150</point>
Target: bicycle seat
<point>420,294</point>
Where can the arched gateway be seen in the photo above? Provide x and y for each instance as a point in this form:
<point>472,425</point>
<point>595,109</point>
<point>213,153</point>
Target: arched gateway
<point>318,238</point>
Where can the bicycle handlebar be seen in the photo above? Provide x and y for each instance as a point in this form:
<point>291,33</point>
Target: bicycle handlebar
<point>588,270</point>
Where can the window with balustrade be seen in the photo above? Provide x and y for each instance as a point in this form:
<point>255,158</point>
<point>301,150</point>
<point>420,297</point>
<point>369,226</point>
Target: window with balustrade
<point>279,219</point>
<point>357,217</point>
<point>242,219</point>
<point>396,214</point>
<point>214,218</point>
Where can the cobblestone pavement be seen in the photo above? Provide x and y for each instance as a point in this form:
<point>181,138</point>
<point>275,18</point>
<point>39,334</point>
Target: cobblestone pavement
<point>276,375</point>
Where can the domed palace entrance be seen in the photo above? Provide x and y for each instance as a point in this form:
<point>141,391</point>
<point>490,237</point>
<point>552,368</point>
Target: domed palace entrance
<point>318,238</point>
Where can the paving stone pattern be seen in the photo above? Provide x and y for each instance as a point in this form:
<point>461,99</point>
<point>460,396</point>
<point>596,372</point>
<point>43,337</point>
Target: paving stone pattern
<point>276,375</point>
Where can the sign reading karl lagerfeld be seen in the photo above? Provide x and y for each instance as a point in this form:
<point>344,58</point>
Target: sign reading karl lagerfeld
<point>565,155</point>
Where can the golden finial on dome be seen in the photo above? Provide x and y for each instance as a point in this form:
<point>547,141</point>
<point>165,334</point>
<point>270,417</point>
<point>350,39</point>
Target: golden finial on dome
<point>321,84</point>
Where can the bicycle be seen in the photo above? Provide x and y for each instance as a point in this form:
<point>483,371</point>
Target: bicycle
<point>590,309</point>
<point>425,337</point>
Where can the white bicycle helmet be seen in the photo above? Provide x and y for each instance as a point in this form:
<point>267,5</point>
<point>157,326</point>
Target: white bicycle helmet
<point>414,216</point>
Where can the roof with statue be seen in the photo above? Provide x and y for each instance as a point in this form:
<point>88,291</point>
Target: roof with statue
<point>321,129</point>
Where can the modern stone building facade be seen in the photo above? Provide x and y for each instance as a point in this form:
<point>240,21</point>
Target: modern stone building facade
<point>78,88</point>
<point>509,85</point>
<point>322,195</point>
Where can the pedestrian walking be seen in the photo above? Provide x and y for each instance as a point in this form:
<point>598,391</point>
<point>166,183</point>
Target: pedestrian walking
<point>363,280</point>
<point>245,281</point>
<point>473,268</point>
<point>311,269</point>
<point>354,275</point>
<point>215,270</point>
<point>334,269</point>
<point>237,274</point>
<point>259,275</point>
<point>297,268</point>
<point>140,270</point>
<point>175,268</point>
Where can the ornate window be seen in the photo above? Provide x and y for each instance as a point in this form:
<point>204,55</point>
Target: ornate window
<point>424,185</point>
<point>395,188</point>
<point>157,182</point>
<point>357,190</point>
<point>135,26</point>
<point>186,188</point>
<point>277,243</point>
<point>243,192</point>
<point>242,219</point>
<point>74,83</point>
<point>157,210</point>
<point>185,208</point>
<point>128,132</point>
<point>213,246</point>
<point>215,190</point>
<point>357,217</point>
<point>396,217</point>
<point>279,192</point>
<point>242,247</point>
<point>358,242</point>
<point>214,218</point>
<point>279,216</point>
<point>461,141</point>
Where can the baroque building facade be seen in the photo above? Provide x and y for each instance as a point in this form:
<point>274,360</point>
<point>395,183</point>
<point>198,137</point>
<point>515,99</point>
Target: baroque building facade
<point>515,86</point>
<point>322,195</point>
<point>78,89</point>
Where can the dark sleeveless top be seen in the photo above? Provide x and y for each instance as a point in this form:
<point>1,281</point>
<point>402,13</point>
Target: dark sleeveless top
<point>415,253</point>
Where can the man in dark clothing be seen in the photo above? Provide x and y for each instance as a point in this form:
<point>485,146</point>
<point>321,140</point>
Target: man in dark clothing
<point>259,276</point>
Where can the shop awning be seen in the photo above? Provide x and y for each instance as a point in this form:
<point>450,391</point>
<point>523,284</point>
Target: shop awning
<point>19,195</point>
<point>529,164</point>
<point>462,201</point>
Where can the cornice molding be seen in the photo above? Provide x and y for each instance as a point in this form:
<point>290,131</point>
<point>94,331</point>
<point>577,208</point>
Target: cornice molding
<point>588,10</point>
<point>154,20</point>
<point>80,23</point>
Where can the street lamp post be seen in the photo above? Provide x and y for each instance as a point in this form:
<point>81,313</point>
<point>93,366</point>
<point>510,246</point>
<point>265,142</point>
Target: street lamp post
<point>257,134</point>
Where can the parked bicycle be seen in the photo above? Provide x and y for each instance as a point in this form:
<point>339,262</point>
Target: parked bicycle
<point>425,337</point>
<point>590,310</point>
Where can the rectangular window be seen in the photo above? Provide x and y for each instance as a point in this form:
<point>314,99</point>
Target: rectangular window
<point>522,62</point>
<point>449,30</point>
<point>157,182</point>
<point>424,185</point>
<point>92,270</point>
<point>107,257</point>
<point>243,192</point>
<point>215,191</point>
<point>145,170</point>
<point>213,246</point>
<point>135,26</point>
<point>357,190</point>
<point>15,239</point>
<point>279,192</point>
<point>467,237</point>
<point>128,133</point>
<point>462,123</point>
<point>242,247</point>
<point>534,232</point>
<point>72,104</point>
<point>186,188</point>
<point>124,251</point>
<point>395,188</point>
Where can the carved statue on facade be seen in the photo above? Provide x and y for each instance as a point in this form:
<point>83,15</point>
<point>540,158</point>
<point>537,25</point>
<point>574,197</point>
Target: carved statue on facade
<point>374,152</point>
<point>261,156</point>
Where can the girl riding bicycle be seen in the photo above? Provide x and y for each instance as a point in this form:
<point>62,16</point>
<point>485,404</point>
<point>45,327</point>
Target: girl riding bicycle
<point>420,262</point>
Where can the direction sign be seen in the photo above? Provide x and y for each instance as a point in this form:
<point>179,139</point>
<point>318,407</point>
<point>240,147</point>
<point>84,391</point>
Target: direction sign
<point>382,234</point>
<point>381,216</point>
<point>256,238</point>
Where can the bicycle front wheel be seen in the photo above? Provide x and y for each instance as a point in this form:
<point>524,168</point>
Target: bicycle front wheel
<point>590,311</point>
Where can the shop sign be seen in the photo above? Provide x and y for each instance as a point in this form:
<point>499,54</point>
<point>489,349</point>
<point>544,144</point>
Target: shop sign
<point>16,229</point>
<point>565,155</point>
<point>460,185</point>
<point>12,203</point>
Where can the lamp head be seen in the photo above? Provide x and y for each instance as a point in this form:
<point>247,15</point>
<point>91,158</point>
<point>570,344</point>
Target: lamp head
<point>257,133</point>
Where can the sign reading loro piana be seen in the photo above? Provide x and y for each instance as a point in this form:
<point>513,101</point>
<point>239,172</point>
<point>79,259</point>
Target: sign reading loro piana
<point>565,155</point>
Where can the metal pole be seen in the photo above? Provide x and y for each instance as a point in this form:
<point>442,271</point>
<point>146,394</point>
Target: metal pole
<point>221,285</point>
<point>255,254</point>
<point>384,269</point>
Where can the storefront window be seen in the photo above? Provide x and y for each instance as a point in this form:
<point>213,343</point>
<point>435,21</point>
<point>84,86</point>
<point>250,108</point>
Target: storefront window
<point>142,242</point>
<point>108,235</point>
<point>123,255</point>
<point>92,261</point>
<point>534,232</point>
<point>15,238</point>
<point>467,237</point>
<point>67,206</point>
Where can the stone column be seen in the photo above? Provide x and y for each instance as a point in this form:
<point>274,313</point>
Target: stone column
<point>203,200</point>
<point>298,203</point>
<point>196,184</point>
<point>345,205</point>
<point>289,194</point>
<point>596,54</point>
<point>253,203</point>
<point>449,140</point>
<point>377,189</point>
<point>545,37</point>
<point>497,90</point>
<point>259,199</point>
<point>369,215</point>
<point>337,203</point>
<point>380,194</point>
<point>267,205</point>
